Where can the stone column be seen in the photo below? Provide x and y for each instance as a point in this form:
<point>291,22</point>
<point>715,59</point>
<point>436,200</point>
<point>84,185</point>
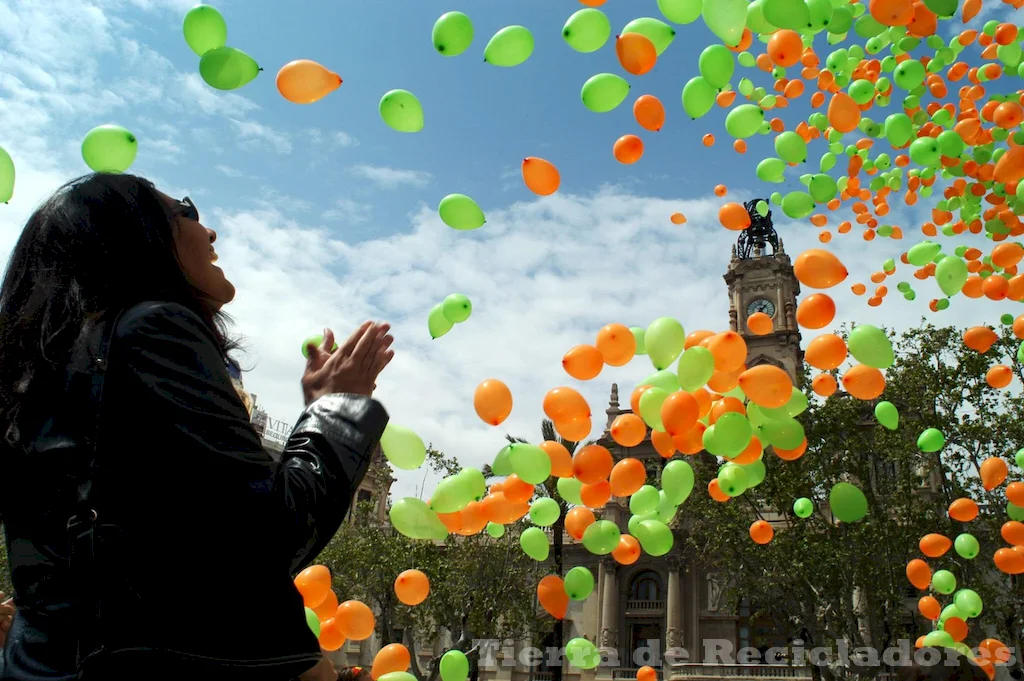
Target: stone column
<point>609,604</point>
<point>674,604</point>
<point>693,606</point>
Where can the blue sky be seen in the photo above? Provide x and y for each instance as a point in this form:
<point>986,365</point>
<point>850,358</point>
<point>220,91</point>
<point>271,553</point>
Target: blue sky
<point>326,216</point>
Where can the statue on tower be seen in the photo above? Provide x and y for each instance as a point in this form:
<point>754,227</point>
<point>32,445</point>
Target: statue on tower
<point>754,240</point>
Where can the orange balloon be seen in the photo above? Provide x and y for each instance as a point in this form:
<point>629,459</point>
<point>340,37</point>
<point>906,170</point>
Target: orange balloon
<point>628,550</point>
<point>474,519</point>
<point>628,476</point>
<point>716,491</point>
<point>999,376</point>
<point>583,362</point>
<point>596,495</point>
<point>1015,493</point>
<point>355,620</point>
<point>574,430</point>
<point>725,405</point>
<point>734,216</point>
<point>767,386</point>
<point>628,149</point>
<point>994,650</point>
<point>728,349</point>
<point>1010,561</point>
<point>498,508</point>
<point>761,532</point>
<point>1010,166</point>
<point>565,404</point>
<point>540,176</point>
<point>818,268</point>
<point>892,12</point>
<point>617,344</point>
<point>1013,532</point>
<point>678,218</point>
<point>843,112</point>
<point>824,385</point>
<point>649,112</point>
<point>703,398</point>
<point>592,464</point>
<point>646,673</point>
<point>1008,253</point>
<point>636,53</point>
<point>785,47</point>
<point>963,510</point>
<point>393,657</point>
<point>552,596</point>
<point>695,338</point>
<point>331,637</point>
<point>304,82</point>
<point>864,382</point>
<point>577,520</point>
<point>692,441</point>
<point>751,454</point>
<point>826,352</point>
<point>980,338</point>
<point>516,490</point>
<point>679,412</point>
<point>993,472</point>
<point>592,3</point>
<point>313,583</point>
<point>561,459</point>
<point>327,608</point>
<point>721,190</point>
<point>791,454</point>
<point>816,311</point>
<point>929,608</point>
<point>759,324</point>
<point>663,443</point>
<point>919,574</point>
<point>628,430</point>
<point>1018,326</point>
<point>955,627</point>
<point>452,521</point>
<point>493,402</point>
<point>934,545</point>
<point>724,381</point>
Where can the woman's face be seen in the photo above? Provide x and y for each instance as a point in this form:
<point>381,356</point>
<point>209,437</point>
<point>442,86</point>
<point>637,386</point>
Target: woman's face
<point>193,244</point>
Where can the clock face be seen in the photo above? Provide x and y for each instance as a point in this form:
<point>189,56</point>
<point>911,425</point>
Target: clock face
<point>761,305</point>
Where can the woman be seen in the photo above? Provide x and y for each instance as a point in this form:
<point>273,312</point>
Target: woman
<point>173,557</point>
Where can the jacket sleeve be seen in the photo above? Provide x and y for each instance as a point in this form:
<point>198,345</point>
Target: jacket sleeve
<point>171,352</point>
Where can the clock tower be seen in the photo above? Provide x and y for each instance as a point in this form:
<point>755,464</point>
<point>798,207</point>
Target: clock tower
<point>761,279</point>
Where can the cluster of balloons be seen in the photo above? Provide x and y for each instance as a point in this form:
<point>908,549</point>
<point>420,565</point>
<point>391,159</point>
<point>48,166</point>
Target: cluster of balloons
<point>453,310</point>
<point>222,67</point>
<point>331,622</point>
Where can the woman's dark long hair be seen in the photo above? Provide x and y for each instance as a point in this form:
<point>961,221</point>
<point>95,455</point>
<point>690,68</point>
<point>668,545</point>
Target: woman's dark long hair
<point>100,244</point>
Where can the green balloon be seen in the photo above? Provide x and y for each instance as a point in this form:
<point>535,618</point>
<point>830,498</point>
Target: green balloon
<point>841,22</point>
<point>848,503</point>
<point>315,340</point>
<point>887,414</point>
<point>696,367</point>
<point>797,205</point>
<point>587,30</point>
<point>7,176</point>
<point>968,601</point>
<point>457,308</point>
<point>535,543</point>
<point>655,537</point>
<point>681,11</point>
<point>665,379</point>
<point>451,495</point>
<point>454,666</point>
<point>666,509</point>
<point>951,144</point>
<point>604,92</point>
<point>582,654</point>
<point>645,500</point>
<point>205,29</point>
<point>784,434</point>
<point>402,448</point>
<point>716,65</point>
<point>658,32</point>
<point>601,537</point>
<point>452,34</point>
<point>791,14</point>
<point>502,465</point>
<point>803,507</point>
<point>861,91</point>
<point>945,9</point>
<point>871,346</point>
<point>939,639</point>
<point>412,518</point>
<point>931,440</point>
<point>510,46</point>
<point>822,188</point>
<point>755,472</point>
<point>312,621</point>
<point>923,253</point>
<point>437,323</point>
<point>544,512</point>
<point>458,211</point>
<point>733,432</point>
<point>867,27</point>
<point>745,120</point>
<point>698,97</point>
<point>1015,512</point>
<point>819,15</point>
<point>966,546</point>
<point>569,489</point>
<point>227,68</point>
<point>650,407</point>
<point>756,22</point>
<point>664,339</point>
<point>796,405</point>
<point>726,19</point>
<point>109,149</point>
<point>579,583</point>
<point>951,611</point>
<point>495,530</point>
<point>474,481</point>
<point>909,75</point>
<point>951,274</point>
<point>791,147</point>
<point>401,111</point>
<point>1018,458</point>
<point>925,151</point>
<point>676,481</point>
<point>732,479</point>
<point>529,462</point>
<point>640,335</point>
<point>944,582</point>
<point>771,170</point>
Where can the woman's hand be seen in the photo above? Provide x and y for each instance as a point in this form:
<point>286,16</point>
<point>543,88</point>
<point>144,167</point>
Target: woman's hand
<point>352,368</point>
<point>323,671</point>
<point>6,617</point>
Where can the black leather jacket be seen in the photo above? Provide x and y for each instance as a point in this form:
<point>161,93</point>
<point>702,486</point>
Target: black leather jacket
<point>212,530</point>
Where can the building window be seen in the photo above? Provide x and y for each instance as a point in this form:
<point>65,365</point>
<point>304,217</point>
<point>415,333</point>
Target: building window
<point>646,587</point>
<point>364,495</point>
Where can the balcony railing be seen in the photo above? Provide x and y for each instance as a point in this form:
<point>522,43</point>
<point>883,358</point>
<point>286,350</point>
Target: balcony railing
<point>710,670</point>
<point>634,607</point>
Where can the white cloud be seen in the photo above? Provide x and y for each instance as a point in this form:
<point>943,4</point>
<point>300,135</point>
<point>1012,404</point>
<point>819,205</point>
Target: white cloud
<point>390,178</point>
<point>343,139</point>
<point>209,101</point>
<point>229,171</point>
<point>348,211</point>
<point>259,135</point>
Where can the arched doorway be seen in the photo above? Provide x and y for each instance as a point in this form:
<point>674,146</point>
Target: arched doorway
<point>645,619</point>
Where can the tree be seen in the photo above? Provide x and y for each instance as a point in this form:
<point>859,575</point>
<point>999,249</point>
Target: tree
<point>826,581</point>
<point>5,569</point>
<point>366,556</point>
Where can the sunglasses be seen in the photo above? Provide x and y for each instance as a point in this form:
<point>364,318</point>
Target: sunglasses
<point>185,208</point>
